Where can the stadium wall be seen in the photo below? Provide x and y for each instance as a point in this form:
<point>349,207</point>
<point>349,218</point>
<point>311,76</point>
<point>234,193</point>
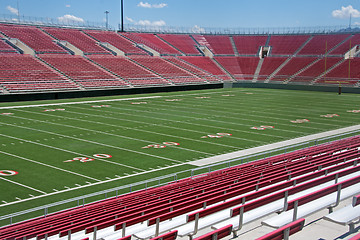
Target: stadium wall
<point>292,87</point>
<point>102,92</point>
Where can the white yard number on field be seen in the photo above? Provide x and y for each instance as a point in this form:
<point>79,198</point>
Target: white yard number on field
<point>86,159</point>
<point>163,145</point>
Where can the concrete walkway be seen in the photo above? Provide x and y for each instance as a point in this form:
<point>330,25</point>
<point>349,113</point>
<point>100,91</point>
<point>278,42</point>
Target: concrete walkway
<point>272,146</point>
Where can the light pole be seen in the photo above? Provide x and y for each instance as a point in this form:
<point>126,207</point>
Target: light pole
<point>122,16</point>
<point>107,19</point>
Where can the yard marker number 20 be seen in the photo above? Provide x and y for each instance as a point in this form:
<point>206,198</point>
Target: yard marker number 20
<point>86,159</point>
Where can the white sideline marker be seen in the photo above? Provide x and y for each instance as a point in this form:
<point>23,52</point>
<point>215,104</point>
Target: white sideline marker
<point>55,190</point>
<point>108,178</point>
<point>4,201</point>
<point>76,184</point>
<point>31,195</point>
<point>17,198</point>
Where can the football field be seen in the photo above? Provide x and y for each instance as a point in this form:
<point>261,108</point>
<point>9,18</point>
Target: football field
<point>56,150</point>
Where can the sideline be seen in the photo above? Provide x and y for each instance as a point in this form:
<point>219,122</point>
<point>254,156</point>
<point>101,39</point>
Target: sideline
<point>272,146</point>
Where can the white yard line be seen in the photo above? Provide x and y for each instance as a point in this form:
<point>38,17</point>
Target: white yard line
<point>40,163</point>
<point>90,185</point>
<point>70,103</point>
<point>246,152</point>
<point>106,133</point>
<point>22,185</point>
<point>92,142</point>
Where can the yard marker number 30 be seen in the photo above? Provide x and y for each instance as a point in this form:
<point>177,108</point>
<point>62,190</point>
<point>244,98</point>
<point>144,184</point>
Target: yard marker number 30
<point>86,159</point>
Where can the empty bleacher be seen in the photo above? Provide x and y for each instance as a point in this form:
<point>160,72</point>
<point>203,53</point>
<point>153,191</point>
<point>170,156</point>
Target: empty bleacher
<point>152,41</point>
<point>117,41</point>
<point>347,45</point>
<point>21,73</point>
<point>322,44</point>
<point>249,45</point>
<point>77,38</point>
<point>269,65</point>
<point>33,37</point>
<point>286,44</point>
<point>220,44</point>
<point>293,66</point>
<point>6,48</point>
<point>83,71</point>
<point>252,190</point>
<point>129,71</point>
<point>168,70</point>
<point>182,42</point>
<point>241,68</point>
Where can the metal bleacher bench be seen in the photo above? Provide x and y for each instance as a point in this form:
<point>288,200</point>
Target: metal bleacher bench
<point>285,231</point>
<point>346,215</point>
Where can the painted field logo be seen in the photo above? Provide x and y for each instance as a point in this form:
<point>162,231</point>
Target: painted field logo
<point>300,121</point>
<point>163,145</point>
<point>329,115</point>
<point>217,135</point>
<point>8,173</point>
<point>262,127</point>
<point>7,114</point>
<point>137,103</point>
<point>227,95</point>
<point>354,111</point>
<point>173,100</point>
<point>100,106</point>
<point>202,97</point>
<point>86,159</point>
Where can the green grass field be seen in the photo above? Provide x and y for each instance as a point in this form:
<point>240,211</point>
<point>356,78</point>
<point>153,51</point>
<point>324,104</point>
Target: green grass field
<point>48,156</point>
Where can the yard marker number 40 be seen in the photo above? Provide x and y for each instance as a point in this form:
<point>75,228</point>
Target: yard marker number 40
<point>86,159</point>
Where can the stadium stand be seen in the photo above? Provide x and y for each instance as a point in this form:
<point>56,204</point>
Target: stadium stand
<point>130,71</point>
<point>33,37</point>
<point>316,69</point>
<point>202,41</point>
<point>117,41</point>
<point>220,45</point>
<point>347,45</point>
<point>167,70</point>
<point>322,44</point>
<point>77,38</point>
<point>6,48</point>
<point>207,64</point>
<point>152,41</point>
<point>285,231</point>
<point>83,71</point>
<point>195,70</point>
<point>293,66</point>
<point>347,73</point>
<point>241,68</point>
<point>266,186</point>
<point>249,45</point>
<point>20,73</point>
<point>269,65</point>
<point>182,42</point>
<point>286,44</point>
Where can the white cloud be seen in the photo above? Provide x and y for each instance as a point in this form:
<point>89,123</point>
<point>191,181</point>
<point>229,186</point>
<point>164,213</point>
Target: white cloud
<point>67,5</point>
<point>158,23</point>
<point>356,23</point>
<point>345,12</point>
<point>197,29</point>
<point>70,18</point>
<point>148,5</point>
<point>12,10</point>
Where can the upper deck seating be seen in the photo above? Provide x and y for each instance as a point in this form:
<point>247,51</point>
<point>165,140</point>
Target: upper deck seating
<point>249,45</point>
<point>117,41</point>
<point>129,71</point>
<point>322,44</point>
<point>220,44</point>
<point>182,42</point>
<point>25,73</point>
<point>33,37</point>
<point>153,42</point>
<point>167,70</point>
<point>286,44</point>
<point>208,65</point>
<point>77,38</point>
<point>242,68</point>
<point>347,45</point>
<point>202,41</point>
<point>292,67</point>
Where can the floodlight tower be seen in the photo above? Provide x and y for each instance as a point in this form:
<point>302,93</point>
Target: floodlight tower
<point>107,19</point>
<point>122,15</point>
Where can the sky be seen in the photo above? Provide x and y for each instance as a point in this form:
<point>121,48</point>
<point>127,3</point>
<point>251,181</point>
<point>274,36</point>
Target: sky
<point>194,13</point>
